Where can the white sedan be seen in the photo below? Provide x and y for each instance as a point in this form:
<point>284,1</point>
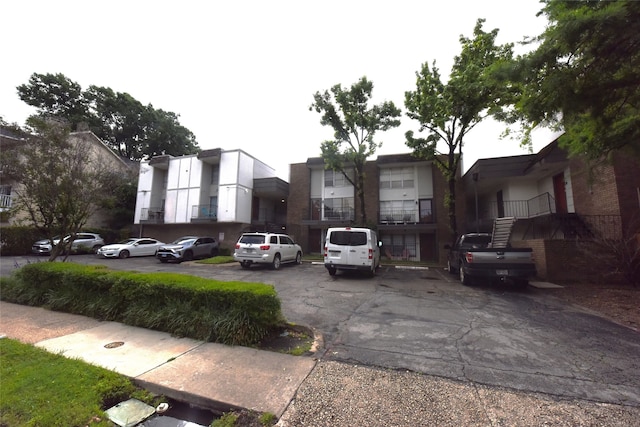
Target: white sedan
<point>131,247</point>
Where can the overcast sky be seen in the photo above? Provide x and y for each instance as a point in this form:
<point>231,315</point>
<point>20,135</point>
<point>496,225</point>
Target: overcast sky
<point>242,74</point>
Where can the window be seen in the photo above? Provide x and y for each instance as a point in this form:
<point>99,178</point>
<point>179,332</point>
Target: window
<point>399,246</point>
<point>215,174</point>
<point>286,240</point>
<point>348,238</point>
<point>338,208</point>
<point>398,211</point>
<point>336,179</point>
<point>396,178</point>
<point>426,210</point>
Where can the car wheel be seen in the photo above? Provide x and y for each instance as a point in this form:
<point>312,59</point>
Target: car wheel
<point>188,256</point>
<point>450,268</point>
<point>298,258</point>
<point>164,261</point>
<point>123,254</point>
<point>464,279</point>
<point>332,271</point>
<point>95,249</point>
<point>276,262</point>
<point>245,264</point>
<point>214,252</point>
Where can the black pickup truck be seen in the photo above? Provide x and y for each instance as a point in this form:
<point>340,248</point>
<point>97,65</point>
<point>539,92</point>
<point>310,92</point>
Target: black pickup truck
<point>473,258</point>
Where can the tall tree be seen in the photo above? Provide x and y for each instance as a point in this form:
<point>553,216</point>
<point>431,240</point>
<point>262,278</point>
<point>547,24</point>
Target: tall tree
<point>130,128</point>
<point>447,112</point>
<point>59,185</point>
<point>355,124</point>
<point>583,76</point>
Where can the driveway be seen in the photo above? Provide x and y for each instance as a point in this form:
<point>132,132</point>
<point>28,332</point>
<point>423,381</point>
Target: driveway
<point>425,321</point>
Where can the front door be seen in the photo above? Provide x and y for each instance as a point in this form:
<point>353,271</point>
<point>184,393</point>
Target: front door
<point>560,193</point>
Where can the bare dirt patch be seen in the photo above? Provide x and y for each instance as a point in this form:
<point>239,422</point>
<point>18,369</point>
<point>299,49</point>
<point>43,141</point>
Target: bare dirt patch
<point>618,302</point>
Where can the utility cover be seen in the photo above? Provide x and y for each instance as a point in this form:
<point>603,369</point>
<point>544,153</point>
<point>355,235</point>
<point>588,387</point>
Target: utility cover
<point>164,421</point>
<point>130,413</point>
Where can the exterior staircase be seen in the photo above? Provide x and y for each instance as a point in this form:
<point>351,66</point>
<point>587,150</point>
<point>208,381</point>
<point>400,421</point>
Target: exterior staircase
<point>502,232</point>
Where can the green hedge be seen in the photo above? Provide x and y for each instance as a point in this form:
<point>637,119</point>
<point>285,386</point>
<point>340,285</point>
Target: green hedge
<point>236,313</point>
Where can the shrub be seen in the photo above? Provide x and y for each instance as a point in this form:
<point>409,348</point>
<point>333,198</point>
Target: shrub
<point>228,312</point>
<point>17,240</point>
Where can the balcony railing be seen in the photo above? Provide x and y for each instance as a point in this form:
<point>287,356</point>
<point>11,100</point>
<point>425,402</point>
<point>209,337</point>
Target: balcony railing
<point>5,201</point>
<point>573,226</point>
<point>540,205</point>
<point>401,216</point>
<point>204,212</point>
<point>346,214</point>
<point>152,215</point>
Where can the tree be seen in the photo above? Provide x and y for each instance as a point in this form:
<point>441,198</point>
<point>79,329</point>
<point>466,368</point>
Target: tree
<point>59,185</point>
<point>130,128</point>
<point>354,124</point>
<point>448,112</point>
<point>583,76</point>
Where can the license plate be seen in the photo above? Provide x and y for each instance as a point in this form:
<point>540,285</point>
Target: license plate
<point>502,272</point>
<point>249,251</point>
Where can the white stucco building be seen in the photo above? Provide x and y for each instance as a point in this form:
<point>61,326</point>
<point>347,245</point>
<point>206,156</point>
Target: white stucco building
<point>217,193</point>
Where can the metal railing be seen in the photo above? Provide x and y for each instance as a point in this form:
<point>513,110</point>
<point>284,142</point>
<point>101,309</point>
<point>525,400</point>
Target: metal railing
<point>400,216</point>
<point>152,215</point>
<point>346,214</point>
<point>542,204</point>
<point>204,212</point>
<point>573,226</point>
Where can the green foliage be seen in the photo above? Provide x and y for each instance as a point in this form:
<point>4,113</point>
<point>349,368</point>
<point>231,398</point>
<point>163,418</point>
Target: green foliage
<point>354,124</point>
<point>583,76</point>
<point>226,420</point>
<point>123,123</point>
<point>237,313</point>
<point>44,389</point>
<point>447,112</point>
<point>17,240</point>
<point>61,186</point>
<point>267,419</point>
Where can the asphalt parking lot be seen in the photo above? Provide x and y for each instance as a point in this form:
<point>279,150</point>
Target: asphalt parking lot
<point>426,321</point>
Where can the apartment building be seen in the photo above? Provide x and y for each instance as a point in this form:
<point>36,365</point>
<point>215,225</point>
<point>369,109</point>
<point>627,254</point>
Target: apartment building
<point>560,203</point>
<point>218,193</point>
<point>404,201</point>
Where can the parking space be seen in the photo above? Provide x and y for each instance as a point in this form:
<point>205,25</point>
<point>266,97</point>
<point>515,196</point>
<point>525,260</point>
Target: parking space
<point>426,321</point>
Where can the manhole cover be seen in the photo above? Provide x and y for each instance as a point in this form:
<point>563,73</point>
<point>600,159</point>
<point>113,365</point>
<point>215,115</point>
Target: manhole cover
<point>114,344</point>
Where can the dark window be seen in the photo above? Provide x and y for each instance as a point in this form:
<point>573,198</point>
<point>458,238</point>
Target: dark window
<point>348,238</point>
<point>252,239</point>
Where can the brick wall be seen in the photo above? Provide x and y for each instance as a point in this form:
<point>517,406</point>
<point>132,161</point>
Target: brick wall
<point>298,203</point>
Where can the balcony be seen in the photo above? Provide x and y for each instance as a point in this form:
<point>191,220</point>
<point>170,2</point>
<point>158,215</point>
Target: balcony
<point>391,217</point>
<point>204,213</point>
<point>152,216</point>
<point>5,201</point>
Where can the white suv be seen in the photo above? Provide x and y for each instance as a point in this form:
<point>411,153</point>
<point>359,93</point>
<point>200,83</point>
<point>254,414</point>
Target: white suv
<point>266,248</point>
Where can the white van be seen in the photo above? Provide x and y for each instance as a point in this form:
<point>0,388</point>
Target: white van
<point>349,248</point>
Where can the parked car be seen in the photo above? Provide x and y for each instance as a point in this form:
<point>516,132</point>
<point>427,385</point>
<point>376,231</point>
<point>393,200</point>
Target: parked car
<point>350,248</point>
<point>473,258</point>
<point>143,246</point>
<point>266,248</point>
<point>187,248</point>
<point>83,242</point>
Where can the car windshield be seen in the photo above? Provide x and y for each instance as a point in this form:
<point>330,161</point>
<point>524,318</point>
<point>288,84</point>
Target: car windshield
<point>252,239</point>
<point>184,241</point>
<point>476,242</point>
<point>128,242</point>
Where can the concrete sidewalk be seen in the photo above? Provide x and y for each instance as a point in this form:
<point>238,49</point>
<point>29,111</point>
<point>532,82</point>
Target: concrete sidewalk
<point>212,376</point>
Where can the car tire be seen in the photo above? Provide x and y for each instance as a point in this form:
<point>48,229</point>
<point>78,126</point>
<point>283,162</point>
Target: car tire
<point>188,256</point>
<point>464,279</point>
<point>276,262</point>
<point>450,268</point>
<point>123,254</point>
<point>332,271</point>
<point>298,258</point>
<point>245,264</point>
<point>164,261</point>
<point>95,249</point>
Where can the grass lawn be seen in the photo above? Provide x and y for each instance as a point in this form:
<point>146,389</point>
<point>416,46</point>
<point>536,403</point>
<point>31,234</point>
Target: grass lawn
<point>44,389</point>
